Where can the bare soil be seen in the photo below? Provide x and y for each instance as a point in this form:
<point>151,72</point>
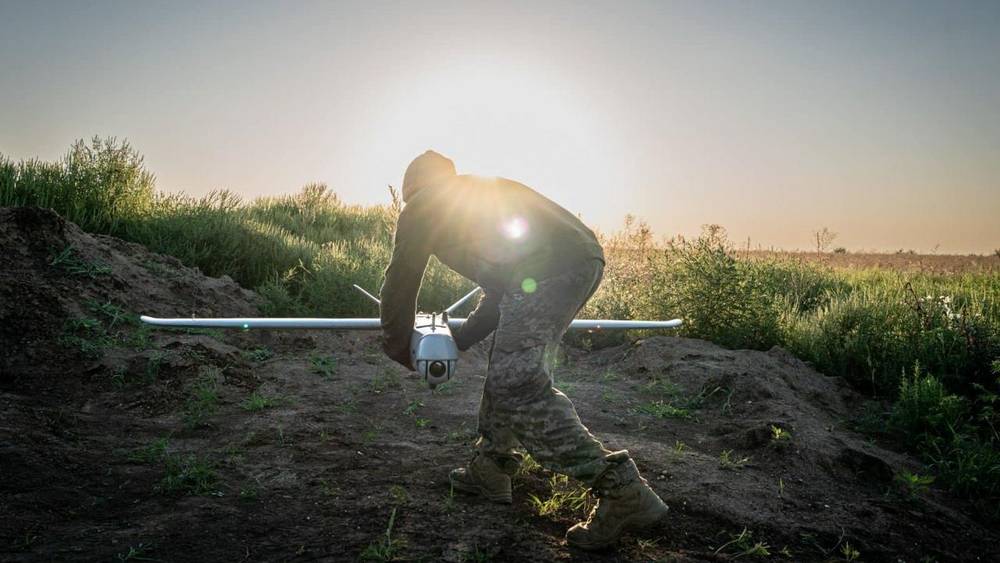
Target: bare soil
<point>121,443</point>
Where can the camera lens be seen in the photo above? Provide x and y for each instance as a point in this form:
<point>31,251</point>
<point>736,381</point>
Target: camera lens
<point>437,369</point>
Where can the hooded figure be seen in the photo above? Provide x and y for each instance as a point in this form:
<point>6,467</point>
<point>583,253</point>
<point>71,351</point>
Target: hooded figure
<point>538,264</point>
<point>427,169</point>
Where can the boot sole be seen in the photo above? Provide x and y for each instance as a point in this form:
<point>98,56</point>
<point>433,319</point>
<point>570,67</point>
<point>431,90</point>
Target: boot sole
<point>633,523</point>
<point>497,497</point>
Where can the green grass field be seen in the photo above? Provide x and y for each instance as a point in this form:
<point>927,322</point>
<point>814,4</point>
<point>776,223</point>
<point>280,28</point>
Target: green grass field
<point>925,344</point>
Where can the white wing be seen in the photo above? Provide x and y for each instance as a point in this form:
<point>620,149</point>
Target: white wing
<point>606,324</point>
<point>256,322</point>
<point>601,324</point>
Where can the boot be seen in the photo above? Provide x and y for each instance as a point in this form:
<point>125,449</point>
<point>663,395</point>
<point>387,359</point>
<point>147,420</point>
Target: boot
<point>625,502</point>
<point>487,476</point>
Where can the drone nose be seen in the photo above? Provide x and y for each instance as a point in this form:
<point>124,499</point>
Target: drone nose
<point>437,369</point>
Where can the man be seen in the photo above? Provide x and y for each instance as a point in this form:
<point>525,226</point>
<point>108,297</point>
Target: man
<point>537,264</point>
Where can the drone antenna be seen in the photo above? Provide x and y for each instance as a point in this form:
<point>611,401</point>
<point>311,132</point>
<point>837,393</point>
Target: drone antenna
<point>459,303</point>
<point>368,295</point>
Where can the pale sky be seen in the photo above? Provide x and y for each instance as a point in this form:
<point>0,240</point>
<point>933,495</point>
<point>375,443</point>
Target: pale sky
<point>879,120</point>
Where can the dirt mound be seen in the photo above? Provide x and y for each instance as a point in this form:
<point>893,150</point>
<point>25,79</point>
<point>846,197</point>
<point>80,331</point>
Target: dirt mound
<point>119,442</point>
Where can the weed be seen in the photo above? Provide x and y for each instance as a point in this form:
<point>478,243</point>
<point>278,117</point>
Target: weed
<point>69,261</point>
<point>204,398</point>
<point>661,409</point>
<point>153,364</point>
<point>564,386</point>
<point>779,436</point>
<point>449,499</point>
<point>422,422</point>
<point>136,552</point>
<point>326,366</point>
<point>370,435</point>
<point>260,354</point>
<point>849,552</point>
<point>249,493</point>
<point>348,405</point>
<point>412,407</point>
<point>188,475</point>
<point>151,452</point>
<point>385,380</point>
<point>610,375</point>
<point>729,461</point>
<point>565,495</point>
<point>913,485</point>
<point>258,402</point>
<point>398,495</point>
<point>446,388</point>
<point>385,548</point>
<point>742,545</point>
<point>528,466</point>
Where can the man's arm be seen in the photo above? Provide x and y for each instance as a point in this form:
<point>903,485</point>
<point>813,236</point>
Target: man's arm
<point>402,284</point>
<point>481,322</point>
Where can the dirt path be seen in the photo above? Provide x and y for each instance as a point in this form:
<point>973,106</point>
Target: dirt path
<point>117,443</point>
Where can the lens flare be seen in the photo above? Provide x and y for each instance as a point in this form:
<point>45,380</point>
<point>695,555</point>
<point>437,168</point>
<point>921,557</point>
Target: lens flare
<point>515,228</point>
<point>529,285</point>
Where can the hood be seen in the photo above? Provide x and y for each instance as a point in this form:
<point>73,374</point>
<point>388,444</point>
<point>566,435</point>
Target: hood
<point>425,170</point>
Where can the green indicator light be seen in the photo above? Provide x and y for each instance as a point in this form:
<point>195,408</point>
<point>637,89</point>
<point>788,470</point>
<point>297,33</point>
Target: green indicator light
<point>246,326</point>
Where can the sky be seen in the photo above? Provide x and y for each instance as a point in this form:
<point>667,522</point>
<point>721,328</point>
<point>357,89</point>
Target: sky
<point>877,120</point>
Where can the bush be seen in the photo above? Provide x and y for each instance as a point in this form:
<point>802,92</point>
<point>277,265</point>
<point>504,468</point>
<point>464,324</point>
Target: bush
<point>97,185</point>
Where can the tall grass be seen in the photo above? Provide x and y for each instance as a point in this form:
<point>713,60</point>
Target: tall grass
<point>303,252</point>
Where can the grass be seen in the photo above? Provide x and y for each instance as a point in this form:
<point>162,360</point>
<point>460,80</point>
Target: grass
<point>845,314</point>
<point>325,366</point>
<point>731,461</point>
<point>257,402</point>
<point>386,548</point>
<point>68,260</point>
<point>150,453</point>
<point>203,400</point>
<point>742,545</point>
<point>565,496</point>
<point>188,475</point>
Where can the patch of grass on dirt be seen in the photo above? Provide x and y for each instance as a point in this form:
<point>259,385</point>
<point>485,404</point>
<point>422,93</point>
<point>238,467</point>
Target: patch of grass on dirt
<point>204,398</point>
<point>742,545</point>
<point>151,452</point>
<point>731,461</point>
<point>69,261</point>
<point>325,366</point>
<point>137,552</point>
<point>86,335</point>
<point>258,402</point>
<point>385,548</point>
<point>188,475</point>
<point>661,409</point>
<point>259,354</point>
<point>386,379</point>
<point>913,485</point>
<point>566,496</point>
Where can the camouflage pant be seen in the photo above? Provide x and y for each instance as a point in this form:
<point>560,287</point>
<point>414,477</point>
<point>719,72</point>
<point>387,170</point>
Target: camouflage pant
<point>519,404</point>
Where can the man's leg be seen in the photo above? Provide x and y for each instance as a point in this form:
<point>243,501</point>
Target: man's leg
<point>519,403</point>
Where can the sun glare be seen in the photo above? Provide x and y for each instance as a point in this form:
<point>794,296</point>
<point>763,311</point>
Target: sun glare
<point>495,117</point>
<point>515,228</point>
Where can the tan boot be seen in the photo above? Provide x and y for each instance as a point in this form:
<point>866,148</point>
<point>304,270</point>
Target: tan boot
<point>487,477</point>
<point>625,502</point>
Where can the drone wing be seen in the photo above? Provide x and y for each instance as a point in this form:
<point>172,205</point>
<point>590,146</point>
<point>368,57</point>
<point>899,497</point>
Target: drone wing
<point>601,324</point>
<point>256,322</point>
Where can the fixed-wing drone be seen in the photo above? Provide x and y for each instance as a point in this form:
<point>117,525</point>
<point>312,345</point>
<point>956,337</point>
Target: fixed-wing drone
<point>432,349</point>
